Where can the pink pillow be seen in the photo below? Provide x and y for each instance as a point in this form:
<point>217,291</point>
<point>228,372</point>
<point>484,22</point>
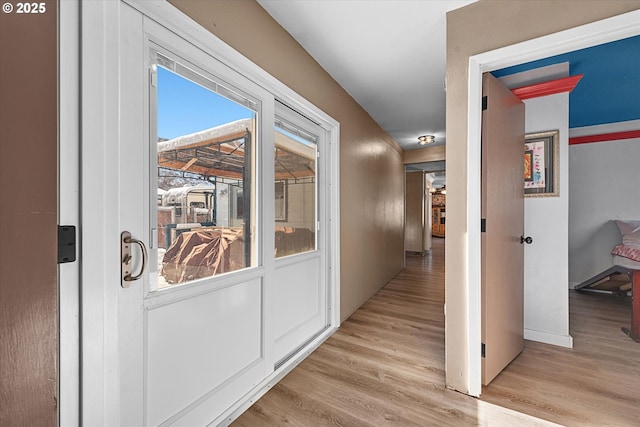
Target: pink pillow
<point>627,252</point>
<point>630,231</point>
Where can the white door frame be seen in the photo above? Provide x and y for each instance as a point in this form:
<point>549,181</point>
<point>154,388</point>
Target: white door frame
<point>599,32</point>
<point>88,361</point>
<point>69,210</point>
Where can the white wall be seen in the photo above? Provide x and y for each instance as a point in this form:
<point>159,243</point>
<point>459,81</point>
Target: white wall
<point>605,185</point>
<point>546,300</point>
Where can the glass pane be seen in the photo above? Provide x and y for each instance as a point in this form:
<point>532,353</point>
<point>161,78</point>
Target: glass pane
<point>295,193</point>
<point>205,181</point>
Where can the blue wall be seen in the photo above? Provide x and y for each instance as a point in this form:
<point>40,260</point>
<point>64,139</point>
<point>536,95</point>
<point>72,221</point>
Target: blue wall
<point>609,92</point>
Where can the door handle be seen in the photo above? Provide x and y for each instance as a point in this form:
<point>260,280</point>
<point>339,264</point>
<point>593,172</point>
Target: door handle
<point>528,240</point>
<point>126,241</point>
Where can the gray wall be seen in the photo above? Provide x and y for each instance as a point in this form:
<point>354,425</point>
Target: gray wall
<point>605,185</point>
<point>546,300</point>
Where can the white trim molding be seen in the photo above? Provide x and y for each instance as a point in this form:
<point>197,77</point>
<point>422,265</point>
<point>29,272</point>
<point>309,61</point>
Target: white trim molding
<point>69,210</point>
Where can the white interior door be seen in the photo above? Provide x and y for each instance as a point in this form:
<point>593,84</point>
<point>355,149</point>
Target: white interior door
<point>195,187</point>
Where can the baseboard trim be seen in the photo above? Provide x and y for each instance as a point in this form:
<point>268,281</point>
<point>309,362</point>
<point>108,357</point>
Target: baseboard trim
<point>547,338</point>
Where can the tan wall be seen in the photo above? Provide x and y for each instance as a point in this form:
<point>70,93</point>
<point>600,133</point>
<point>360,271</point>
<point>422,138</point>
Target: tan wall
<point>28,218</point>
<point>427,154</point>
<point>414,212</point>
<point>508,22</point>
<point>371,168</point>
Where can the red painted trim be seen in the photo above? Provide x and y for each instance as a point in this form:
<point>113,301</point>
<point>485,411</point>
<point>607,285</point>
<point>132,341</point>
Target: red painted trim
<point>551,87</point>
<point>604,137</point>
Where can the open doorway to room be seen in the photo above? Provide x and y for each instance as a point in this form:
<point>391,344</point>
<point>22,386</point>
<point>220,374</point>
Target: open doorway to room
<point>589,234</point>
<point>580,170</point>
<point>425,205</point>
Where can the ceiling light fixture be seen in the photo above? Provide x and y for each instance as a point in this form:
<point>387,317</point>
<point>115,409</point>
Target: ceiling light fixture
<point>426,139</point>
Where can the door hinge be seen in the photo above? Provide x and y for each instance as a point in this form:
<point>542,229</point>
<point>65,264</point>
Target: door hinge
<point>482,350</point>
<point>484,103</point>
<point>483,225</point>
<point>66,243</point>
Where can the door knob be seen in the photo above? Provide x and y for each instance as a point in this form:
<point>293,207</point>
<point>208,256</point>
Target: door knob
<point>528,240</point>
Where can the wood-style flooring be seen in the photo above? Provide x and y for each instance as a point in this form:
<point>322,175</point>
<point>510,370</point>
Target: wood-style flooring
<point>385,367</point>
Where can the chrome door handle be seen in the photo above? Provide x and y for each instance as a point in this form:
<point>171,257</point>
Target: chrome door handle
<point>126,241</point>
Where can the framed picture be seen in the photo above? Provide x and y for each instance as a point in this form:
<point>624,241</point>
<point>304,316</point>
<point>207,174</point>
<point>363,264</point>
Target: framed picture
<point>541,159</point>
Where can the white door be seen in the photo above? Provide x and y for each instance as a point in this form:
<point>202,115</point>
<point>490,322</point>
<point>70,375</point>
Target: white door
<point>300,286</point>
<point>194,335</point>
<point>194,180</point>
<point>503,211</point>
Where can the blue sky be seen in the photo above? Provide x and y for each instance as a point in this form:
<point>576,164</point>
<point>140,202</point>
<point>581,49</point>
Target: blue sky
<point>185,107</point>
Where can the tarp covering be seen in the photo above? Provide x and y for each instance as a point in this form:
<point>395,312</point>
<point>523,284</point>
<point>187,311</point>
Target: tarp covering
<point>291,241</point>
<point>209,251</point>
<point>203,253</point>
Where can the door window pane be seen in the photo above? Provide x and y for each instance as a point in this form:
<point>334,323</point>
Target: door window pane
<point>295,190</point>
<point>205,177</point>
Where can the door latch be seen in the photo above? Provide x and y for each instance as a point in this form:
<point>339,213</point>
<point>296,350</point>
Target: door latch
<point>126,258</point>
<point>66,243</point>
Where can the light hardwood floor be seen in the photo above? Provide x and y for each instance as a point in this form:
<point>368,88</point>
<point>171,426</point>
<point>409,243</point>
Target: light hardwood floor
<point>385,367</point>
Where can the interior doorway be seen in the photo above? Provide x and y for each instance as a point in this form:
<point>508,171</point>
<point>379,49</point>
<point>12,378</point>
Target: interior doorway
<point>615,28</point>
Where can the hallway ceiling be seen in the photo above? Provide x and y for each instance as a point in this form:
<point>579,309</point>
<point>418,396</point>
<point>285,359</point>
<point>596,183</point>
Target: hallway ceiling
<point>389,55</point>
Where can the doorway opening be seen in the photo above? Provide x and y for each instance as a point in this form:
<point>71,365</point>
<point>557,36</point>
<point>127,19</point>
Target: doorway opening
<point>588,35</point>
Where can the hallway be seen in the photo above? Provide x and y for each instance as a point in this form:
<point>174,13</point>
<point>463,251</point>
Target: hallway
<point>384,366</point>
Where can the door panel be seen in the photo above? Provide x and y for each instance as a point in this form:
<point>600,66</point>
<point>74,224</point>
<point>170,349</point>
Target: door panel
<point>193,344</point>
<point>300,296</point>
<point>176,346</point>
<point>503,209</point>
<point>221,329</point>
<point>300,290</point>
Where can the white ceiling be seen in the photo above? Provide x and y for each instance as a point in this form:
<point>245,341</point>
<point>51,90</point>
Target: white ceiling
<point>389,55</point>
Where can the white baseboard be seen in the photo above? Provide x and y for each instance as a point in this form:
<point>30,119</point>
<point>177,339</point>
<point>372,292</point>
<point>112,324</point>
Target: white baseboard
<point>547,338</point>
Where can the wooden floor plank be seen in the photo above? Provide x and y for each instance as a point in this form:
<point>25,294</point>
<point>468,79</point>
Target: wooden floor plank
<point>385,367</point>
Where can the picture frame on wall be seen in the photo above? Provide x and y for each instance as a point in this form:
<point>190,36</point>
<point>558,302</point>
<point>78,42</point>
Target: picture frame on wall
<point>541,164</point>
